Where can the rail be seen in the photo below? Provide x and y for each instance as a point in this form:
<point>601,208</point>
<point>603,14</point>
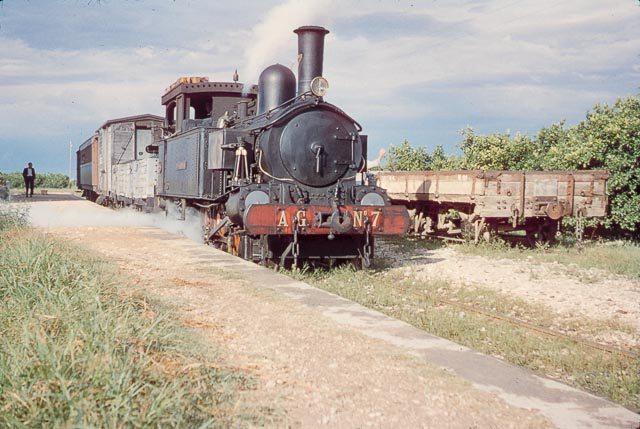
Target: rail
<point>545,331</point>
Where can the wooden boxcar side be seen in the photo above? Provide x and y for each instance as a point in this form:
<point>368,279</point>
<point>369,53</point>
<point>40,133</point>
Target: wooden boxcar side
<point>113,165</point>
<point>87,167</point>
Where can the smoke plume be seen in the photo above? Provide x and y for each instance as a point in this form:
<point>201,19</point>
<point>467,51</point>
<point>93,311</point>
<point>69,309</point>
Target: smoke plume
<point>273,40</point>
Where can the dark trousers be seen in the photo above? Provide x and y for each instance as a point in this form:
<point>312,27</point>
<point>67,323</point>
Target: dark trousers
<point>28,184</point>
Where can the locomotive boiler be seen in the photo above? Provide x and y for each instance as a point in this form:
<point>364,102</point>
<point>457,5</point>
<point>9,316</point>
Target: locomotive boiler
<point>275,171</point>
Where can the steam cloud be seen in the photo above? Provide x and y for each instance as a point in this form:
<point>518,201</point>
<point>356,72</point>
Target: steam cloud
<point>273,39</point>
<point>81,213</point>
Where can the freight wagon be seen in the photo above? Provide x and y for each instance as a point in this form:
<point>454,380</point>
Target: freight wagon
<point>492,202</point>
<point>114,166</point>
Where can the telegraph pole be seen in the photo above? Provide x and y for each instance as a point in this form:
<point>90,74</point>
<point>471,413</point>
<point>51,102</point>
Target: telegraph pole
<point>70,156</point>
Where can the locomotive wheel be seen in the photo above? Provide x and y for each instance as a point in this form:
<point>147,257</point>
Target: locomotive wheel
<point>233,244</point>
<point>206,221</point>
<point>236,244</point>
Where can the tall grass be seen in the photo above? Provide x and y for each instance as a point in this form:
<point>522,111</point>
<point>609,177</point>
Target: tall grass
<point>77,351</point>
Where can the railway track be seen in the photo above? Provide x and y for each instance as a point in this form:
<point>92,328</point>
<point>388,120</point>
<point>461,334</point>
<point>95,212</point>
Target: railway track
<point>521,323</point>
<point>392,249</point>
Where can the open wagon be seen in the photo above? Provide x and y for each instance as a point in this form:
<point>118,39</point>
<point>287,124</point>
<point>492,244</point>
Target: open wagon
<point>489,202</point>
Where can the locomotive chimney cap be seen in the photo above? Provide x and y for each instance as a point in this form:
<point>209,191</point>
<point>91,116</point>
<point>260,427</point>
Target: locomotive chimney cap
<point>311,28</point>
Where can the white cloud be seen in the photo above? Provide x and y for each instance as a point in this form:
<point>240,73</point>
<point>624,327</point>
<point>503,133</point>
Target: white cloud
<point>524,43</point>
<point>389,62</point>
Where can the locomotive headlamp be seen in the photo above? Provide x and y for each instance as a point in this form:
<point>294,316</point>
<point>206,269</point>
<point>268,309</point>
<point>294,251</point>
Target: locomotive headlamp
<point>319,86</point>
<point>372,199</point>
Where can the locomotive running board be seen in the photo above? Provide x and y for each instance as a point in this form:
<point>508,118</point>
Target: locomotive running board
<point>311,219</point>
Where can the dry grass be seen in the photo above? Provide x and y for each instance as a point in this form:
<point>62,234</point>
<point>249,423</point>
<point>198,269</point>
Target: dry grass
<point>612,257</point>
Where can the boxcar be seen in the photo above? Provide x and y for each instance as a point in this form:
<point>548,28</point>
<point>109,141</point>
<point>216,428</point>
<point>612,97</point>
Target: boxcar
<point>114,165</point>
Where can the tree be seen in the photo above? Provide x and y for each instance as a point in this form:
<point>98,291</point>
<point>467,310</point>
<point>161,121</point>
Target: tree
<point>608,139</point>
<point>440,161</point>
<point>499,151</point>
<point>407,158</point>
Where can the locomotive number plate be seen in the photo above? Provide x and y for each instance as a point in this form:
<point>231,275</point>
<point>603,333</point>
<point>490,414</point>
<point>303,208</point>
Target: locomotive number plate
<point>282,219</point>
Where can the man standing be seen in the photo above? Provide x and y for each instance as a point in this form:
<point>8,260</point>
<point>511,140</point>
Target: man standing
<point>29,175</point>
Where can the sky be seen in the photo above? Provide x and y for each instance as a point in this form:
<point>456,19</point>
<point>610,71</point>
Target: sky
<point>420,70</point>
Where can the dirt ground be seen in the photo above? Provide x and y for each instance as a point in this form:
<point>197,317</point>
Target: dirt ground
<point>575,295</point>
<point>310,372</point>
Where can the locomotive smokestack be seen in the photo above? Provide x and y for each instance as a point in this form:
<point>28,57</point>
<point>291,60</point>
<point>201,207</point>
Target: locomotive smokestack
<point>310,54</point>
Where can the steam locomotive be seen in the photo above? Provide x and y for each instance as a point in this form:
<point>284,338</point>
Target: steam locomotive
<point>277,174</point>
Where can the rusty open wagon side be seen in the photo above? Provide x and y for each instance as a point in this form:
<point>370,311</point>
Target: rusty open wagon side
<point>496,201</point>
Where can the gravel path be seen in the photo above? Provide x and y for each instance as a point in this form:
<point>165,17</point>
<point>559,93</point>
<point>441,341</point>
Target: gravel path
<point>317,373</point>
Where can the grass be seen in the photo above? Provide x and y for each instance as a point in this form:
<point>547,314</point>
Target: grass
<point>441,309</point>
<point>614,257</point>
<point>77,350</point>
<point>13,217</point>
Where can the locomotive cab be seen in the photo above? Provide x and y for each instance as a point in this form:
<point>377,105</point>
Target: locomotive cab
<point>194,164</point>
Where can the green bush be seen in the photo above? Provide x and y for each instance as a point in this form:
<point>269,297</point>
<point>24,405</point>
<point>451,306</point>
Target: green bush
<point>608,139</point>
<point>46,180</point>
<point>408,158</point>
<point>52,180</point>
<point>498,152</point>
<point>14,180</point>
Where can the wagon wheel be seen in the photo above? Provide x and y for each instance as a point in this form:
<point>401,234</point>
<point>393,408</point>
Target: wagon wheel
<point>542,233</point>
<point>233,244</point>
<point>489,232</point>
<point>478,230</point>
